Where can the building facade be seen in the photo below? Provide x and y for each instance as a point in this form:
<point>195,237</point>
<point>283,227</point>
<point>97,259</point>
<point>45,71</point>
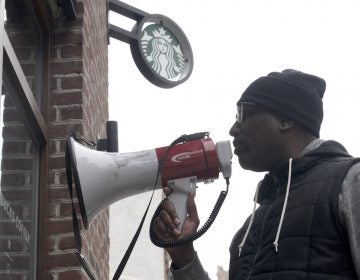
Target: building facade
<point>54,82</point>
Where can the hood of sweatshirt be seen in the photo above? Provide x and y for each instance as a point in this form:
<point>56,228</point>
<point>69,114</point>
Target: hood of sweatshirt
<point>277,178</point>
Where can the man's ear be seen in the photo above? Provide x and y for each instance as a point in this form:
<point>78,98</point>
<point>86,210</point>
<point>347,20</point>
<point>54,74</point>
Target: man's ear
<point>286,124</point>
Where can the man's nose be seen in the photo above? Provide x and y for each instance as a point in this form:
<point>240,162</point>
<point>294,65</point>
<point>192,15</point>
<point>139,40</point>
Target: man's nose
<point>234,130</point>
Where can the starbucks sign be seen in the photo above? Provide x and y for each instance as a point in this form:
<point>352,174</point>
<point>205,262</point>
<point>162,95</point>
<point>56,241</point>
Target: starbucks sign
<point>162,51</point>
<point>159,47</point>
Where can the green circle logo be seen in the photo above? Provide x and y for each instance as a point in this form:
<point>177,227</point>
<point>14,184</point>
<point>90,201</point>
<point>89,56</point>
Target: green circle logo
<point>162,51</point>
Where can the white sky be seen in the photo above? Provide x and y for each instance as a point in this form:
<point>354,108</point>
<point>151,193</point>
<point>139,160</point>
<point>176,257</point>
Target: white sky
<point>233,43</point>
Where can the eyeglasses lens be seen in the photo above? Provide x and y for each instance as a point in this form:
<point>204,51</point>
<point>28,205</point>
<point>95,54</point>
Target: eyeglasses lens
<point>240,116</point>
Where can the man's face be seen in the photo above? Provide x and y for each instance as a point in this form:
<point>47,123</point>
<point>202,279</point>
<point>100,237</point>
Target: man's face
<point>257,138</point>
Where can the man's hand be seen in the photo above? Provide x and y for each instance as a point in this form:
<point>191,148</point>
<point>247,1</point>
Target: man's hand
<point>165,227</point>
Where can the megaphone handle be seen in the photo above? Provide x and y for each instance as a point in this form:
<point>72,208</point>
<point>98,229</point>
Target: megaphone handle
<point>180,189</point>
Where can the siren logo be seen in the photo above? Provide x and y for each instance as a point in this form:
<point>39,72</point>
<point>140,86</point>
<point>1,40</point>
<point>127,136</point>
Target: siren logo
<point>162,51</point>
<point>184,156</point>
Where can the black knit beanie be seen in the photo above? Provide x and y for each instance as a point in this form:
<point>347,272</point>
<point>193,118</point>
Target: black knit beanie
<point>291,93</point>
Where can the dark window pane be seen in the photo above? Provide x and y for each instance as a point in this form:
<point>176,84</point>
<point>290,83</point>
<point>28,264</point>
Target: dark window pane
<point>26,39</point>
<point>18,192</point>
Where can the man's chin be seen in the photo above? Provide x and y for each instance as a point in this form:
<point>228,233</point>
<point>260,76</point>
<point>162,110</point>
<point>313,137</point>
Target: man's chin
<point>251,166</point>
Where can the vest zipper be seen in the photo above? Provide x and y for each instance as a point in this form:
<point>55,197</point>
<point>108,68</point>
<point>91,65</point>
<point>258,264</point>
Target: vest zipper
<point>260,241</point>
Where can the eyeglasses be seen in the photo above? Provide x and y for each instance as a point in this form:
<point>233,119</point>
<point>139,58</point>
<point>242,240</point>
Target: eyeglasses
<point>245,109</point>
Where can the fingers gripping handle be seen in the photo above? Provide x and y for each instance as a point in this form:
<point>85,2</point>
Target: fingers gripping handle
<point>180,189</point>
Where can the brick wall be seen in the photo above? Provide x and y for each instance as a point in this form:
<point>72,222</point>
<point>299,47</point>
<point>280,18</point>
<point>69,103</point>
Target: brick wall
<point>78,103</point>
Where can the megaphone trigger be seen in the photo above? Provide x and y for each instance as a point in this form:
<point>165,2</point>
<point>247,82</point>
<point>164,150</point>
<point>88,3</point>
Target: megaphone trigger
<point>180,189</point>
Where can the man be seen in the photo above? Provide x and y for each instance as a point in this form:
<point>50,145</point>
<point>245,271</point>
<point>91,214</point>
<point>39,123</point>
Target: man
<point>307,225</point>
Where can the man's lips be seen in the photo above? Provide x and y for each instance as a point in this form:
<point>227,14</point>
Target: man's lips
<point>238,150</point>
<point>238,142</point>
<point>238,146</point>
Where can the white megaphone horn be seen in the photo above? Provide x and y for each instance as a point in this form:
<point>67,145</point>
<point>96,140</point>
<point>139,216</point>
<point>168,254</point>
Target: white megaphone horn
<point>102,178</point>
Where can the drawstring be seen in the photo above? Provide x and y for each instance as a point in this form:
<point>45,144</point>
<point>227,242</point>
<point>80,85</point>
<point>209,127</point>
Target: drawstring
<point>251,220</point>
<point>275,243</point>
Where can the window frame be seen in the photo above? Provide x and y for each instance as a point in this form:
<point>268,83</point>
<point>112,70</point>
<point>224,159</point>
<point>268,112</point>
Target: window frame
<point>35,118</point>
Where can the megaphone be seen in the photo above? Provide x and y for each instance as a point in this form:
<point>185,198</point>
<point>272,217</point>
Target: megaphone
<point>102,178</point>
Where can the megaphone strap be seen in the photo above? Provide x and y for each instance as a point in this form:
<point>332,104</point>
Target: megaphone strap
<point>128,252</point>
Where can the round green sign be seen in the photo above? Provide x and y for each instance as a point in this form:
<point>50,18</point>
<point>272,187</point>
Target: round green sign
<point>162,51</point>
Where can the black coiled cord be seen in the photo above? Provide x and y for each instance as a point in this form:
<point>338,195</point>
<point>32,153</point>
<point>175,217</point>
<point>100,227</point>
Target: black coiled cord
<point>194,236</point>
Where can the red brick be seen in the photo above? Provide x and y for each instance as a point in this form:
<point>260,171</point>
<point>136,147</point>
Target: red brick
<point>60,226</point>
<point>73,275</point>
<point>79,8</point>
<point>71,51</point>
<point>65,130</point>
<point>67,67</point>
<point>67,37</point>
<point>74,23</point>
<point>72,82</point>
<point>15,132</point>
<point>70,112</point>
<point>57,146</point>
<point>51,244</point>
<point>53,114</point>
<point>59,176</point>
<point>66,209</point>
<point>57,162</point>
<point>67,242</point>
<point>56,194</point>
<point>62,260</point>
<point>67,98</point>
<point>53,83</point>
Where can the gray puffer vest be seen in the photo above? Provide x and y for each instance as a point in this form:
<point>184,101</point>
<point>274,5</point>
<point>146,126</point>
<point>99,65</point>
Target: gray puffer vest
<point>312,243</point>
